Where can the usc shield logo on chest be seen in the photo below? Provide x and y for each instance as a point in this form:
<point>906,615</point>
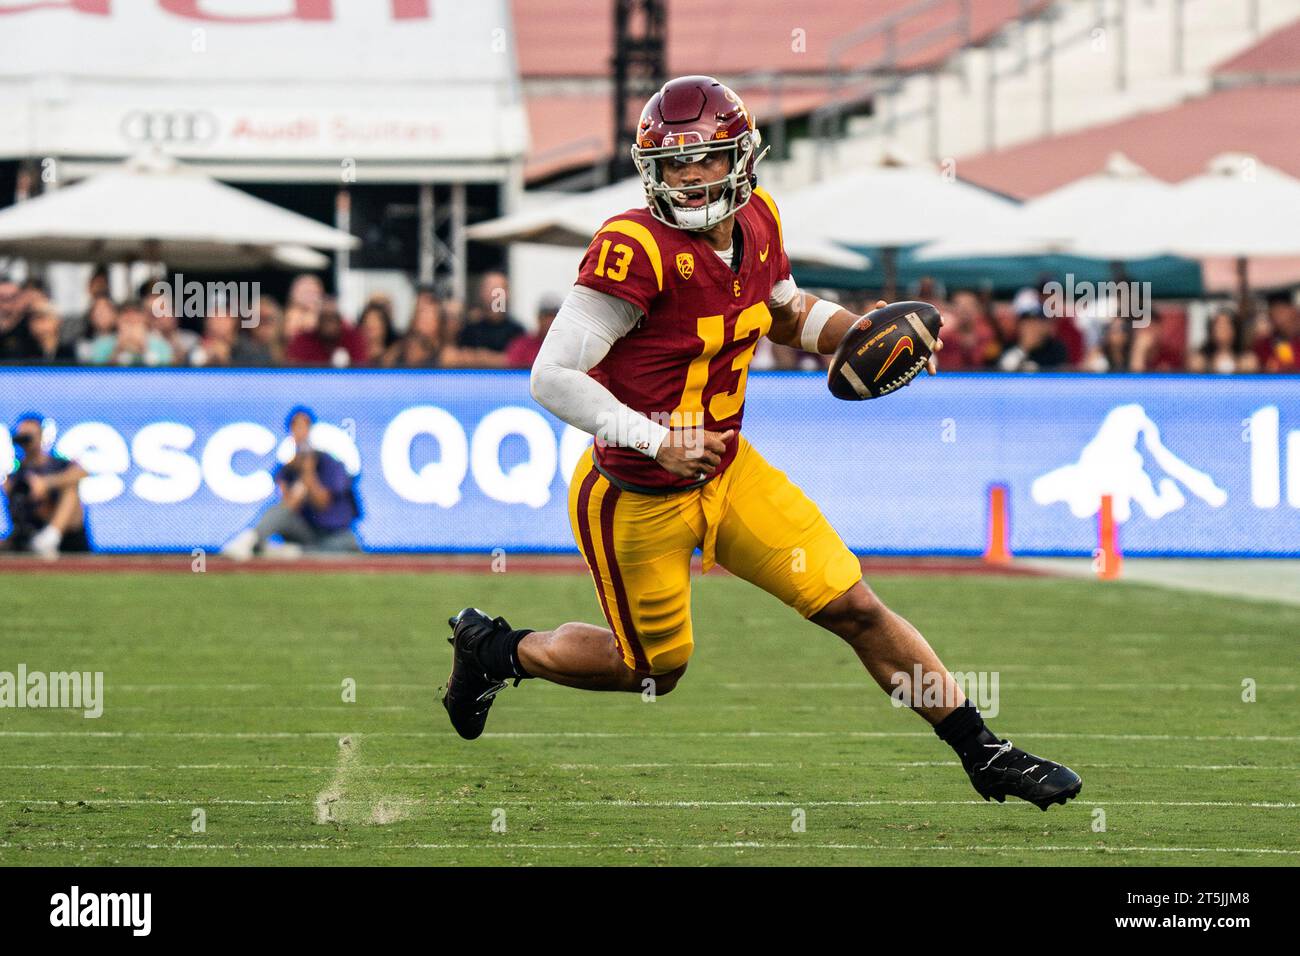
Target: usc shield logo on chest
<point>685,264</point>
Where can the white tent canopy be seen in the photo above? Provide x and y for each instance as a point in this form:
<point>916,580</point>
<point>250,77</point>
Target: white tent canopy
<point>1086,217</point>
<point>153,208</point>
<point>891,203</point>
<point>569,219</point>
<point>1238,207</point>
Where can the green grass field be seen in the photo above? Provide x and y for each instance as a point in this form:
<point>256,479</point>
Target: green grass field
<point>223,693</point>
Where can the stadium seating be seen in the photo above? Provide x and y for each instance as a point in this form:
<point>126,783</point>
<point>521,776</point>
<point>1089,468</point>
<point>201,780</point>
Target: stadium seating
<point>926,67</point>
<point>564,55</point>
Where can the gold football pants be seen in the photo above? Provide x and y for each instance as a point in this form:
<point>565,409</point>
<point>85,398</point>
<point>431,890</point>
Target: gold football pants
<point>751,519</point>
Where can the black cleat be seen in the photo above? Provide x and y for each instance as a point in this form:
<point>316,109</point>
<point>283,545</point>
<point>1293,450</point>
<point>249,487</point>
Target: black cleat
<point>1009,771</point>
<point>468,693</point>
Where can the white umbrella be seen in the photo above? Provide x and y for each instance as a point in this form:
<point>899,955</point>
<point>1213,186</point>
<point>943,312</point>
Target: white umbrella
<point>155,209</point>
<point>569,219</point>
<point>1094,216</point>
<point>1239,207</point>
<point>892,204</point>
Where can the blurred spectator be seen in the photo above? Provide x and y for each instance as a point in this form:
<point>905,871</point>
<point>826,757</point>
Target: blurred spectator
<point>1005,325</point>
<point>1025,333</point>
<point>299,319</point>
<point>44,331</point>
<point>14,342</point>
<point>44,502</point>
<point>1227,347</point>
<point>522,350</point>
<point>97,285</point>
<point>1063,312</point>
<point>164,324</point>
<point>132,343</point>
<point>928,289</point>
<point>969,342</point>
<point>1036,348</point>
<point>332,342</point>
<point>453,318</point>
<point>490,326</point>
<point>1159,347</point>
<point>100,321</point>
<point>422,345</point>
<point>1278,349</point>
<point>1114,352</point>
<point>1028,301</point>
<point>376,326</point>
<point>223,345</point>
<point>267,332</point>
<point>307,291</point>
<point>317,506</point>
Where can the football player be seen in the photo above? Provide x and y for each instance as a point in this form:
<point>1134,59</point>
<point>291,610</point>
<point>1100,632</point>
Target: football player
<point>649,353</point>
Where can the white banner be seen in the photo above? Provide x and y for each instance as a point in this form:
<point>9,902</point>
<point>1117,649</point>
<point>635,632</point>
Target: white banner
<point>398,80</point>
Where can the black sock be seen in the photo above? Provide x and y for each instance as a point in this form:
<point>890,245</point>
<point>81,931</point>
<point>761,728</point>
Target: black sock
<point>499,655</point>
<point>963,730</point>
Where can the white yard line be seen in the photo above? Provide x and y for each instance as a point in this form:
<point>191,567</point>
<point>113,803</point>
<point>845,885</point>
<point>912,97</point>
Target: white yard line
<point>1276,580</point>
<point>560,734</point>
<point>863,685</point>
<point>339,798</point>
<point>741,765</point>
<point>1023,685</point>
<point>792,845</point>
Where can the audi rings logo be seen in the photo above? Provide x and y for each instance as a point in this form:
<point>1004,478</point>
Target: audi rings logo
<point>169,126</point>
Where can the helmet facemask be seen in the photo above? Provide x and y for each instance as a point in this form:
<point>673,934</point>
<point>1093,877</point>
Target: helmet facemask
<point>735,187</point>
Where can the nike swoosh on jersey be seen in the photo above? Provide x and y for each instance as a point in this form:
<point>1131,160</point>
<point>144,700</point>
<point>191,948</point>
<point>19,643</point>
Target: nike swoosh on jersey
<point>762,256</point>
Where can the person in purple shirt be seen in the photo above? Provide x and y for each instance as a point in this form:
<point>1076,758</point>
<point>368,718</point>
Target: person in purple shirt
<point>317,506</point>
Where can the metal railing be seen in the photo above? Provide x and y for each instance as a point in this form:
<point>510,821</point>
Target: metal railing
<point>826,120</point>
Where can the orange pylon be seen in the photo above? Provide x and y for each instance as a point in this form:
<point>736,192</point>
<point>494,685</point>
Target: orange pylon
<point>1109,560</point>
<point>998,550</point>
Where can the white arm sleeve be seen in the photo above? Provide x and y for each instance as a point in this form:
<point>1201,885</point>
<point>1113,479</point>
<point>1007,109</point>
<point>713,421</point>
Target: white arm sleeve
<point>782,293</point>
<point>584,330</point>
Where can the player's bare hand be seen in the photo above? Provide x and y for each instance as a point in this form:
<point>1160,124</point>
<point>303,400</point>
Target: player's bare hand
<point>932,366</point>
<point>693,453</point>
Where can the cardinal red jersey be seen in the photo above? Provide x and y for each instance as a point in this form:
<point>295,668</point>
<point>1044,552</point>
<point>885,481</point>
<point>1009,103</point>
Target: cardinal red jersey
<point>686,362</point>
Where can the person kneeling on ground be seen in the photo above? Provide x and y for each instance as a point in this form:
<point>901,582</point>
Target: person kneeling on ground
<point>317,504</point>
<point>44,503</point>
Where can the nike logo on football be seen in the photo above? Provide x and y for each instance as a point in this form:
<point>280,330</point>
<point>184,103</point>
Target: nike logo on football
<point>904,343</point>
<point>762,256</point>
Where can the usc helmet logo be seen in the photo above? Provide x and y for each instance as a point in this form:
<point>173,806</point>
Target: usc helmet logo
<point>685,264</point>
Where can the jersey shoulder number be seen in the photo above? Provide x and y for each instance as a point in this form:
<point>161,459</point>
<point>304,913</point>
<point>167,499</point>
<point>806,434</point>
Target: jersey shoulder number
<point>625,259</point>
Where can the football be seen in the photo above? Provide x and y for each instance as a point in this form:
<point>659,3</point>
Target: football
<point>884,350</point>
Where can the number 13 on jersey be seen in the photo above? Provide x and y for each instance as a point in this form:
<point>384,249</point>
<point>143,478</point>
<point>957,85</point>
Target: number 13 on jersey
<point>711,329</point>
<point>617,269</point>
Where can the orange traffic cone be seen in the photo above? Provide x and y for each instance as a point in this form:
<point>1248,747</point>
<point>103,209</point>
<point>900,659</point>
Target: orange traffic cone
<point>998,550</point>
<point>1107,559</point>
